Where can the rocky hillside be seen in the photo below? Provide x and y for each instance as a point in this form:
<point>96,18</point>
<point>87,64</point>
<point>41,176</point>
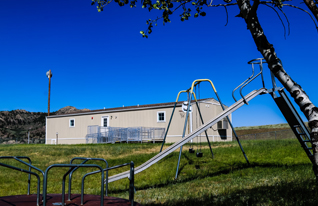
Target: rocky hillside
<point>15,124</point>
<point>68,109</point>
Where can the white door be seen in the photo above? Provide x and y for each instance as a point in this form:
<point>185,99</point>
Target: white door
<point>104,124</point>
<point>105,121</point>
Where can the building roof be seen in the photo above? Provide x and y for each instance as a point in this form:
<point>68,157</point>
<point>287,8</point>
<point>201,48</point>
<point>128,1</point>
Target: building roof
<point>130,108</point>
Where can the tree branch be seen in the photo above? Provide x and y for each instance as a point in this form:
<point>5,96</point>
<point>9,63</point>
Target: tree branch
<point>296,7</point>
<point>286,20</point>
<point>312,7</point>
<point>279,19</point>
<point>217,5</point>
<point>227,16</point>
<point>255,6</point>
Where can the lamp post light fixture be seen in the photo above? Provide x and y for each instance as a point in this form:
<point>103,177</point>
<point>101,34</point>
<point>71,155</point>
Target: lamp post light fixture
<point>49,75</point>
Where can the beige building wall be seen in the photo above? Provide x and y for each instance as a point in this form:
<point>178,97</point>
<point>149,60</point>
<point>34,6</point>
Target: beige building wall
<point>58,129</point>
<point>209,110</point>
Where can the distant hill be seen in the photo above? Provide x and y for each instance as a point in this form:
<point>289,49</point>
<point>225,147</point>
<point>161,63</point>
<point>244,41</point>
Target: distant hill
<point>284,125</point>
<point>262,128</point>
<point>14,125</point>
<point>68,109</point>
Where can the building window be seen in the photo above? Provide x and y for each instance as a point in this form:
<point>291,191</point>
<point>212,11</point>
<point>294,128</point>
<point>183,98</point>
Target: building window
<point>161,116</point>
<point>105,121</point>
<point>72,123</point>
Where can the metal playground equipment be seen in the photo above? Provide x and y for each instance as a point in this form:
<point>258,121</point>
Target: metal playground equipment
<point>190,92</point>
<point>277,93</point>
<point>282,102</point>
<point>72,199</point>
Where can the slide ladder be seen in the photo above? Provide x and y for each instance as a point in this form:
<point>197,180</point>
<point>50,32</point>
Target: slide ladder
<point>294,120</point>
<point>190,136</point>
<point>286,107</point>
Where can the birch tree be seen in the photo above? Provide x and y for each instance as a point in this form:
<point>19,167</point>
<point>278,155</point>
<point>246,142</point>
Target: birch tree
<point>248,12</point>
<point>313,123</point>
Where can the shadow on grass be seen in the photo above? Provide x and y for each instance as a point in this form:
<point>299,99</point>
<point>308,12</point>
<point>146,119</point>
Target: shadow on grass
<point>291,193</point>
<point>229,169</point>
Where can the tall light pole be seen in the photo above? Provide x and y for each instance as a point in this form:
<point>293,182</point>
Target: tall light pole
<point>29,135</point>
<point>49,75</point>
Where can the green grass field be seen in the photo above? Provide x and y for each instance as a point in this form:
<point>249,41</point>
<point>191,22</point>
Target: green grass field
<point>280,173</point>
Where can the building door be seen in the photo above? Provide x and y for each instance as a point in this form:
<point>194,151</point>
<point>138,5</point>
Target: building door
<point>105,121</point>
<point>104,136</point>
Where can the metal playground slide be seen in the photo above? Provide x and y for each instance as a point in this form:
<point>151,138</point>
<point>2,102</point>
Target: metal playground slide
<point>190,136</point>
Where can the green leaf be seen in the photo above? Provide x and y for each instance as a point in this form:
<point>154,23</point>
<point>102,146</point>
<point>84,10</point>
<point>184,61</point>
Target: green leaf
<point>196,15</point>
<point>193,3</point>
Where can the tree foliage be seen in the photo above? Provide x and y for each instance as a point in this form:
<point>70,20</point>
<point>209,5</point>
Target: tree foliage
<point>191,8</point>
<point>188,8</point>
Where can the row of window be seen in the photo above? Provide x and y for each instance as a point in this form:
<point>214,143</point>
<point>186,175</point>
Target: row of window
<point>161,117</point>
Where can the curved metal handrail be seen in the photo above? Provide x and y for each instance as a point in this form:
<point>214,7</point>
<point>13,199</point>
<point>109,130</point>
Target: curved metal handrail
<point>242,84</point>
<point>71,166</point>
<point>131,178</point>
<point>26,171</point>
<point>250,79</point>
<point>86,159</point>
<point>24,157</point>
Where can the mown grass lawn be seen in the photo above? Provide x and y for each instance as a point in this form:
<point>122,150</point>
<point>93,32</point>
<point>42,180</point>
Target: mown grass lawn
<point>279,173</point>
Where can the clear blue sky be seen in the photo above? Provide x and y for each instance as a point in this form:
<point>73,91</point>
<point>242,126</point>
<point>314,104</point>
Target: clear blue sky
<point>101,60</point>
